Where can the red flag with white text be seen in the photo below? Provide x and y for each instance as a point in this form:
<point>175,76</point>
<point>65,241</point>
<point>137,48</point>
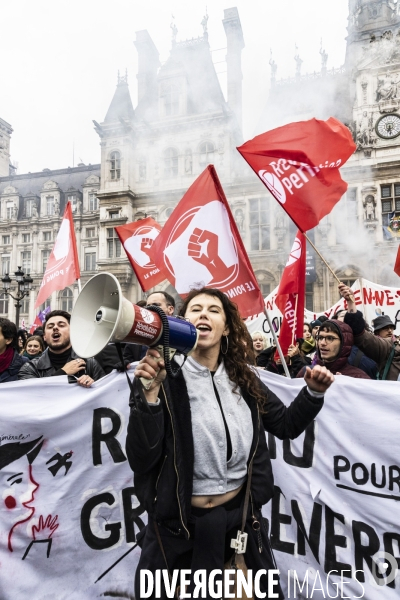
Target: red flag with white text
<point>200,246</point>
<point>137,239</point>
<point>291,294</point>
<point>299,164</point>
<point>63,265</point>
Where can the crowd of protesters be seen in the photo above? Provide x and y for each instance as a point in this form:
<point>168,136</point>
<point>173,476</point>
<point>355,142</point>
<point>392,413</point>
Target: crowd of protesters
<point>345,343</point>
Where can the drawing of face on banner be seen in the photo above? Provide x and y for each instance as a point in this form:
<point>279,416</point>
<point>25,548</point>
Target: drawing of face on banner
<point>201,249</point>
<point>17,486</point>
<point>139,244</point>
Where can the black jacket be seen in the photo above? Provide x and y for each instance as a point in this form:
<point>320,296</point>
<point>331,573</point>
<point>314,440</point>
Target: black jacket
<point>164,475</point>
<point>42,367</point>
<point>11,374</point>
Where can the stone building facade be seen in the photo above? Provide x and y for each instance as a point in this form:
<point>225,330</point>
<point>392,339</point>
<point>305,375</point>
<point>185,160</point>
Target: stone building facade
<point>151,154</point>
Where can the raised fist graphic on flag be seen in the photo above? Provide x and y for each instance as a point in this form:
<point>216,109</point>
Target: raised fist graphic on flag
<point>203,247</point>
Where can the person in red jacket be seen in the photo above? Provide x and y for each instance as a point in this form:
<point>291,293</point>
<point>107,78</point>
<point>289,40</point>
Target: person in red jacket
<point>334,342</point>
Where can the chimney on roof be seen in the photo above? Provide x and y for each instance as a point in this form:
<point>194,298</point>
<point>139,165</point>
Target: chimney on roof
<point>235,45</point>
<point>148,65</point>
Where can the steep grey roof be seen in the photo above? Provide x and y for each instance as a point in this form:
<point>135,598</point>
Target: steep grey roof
<point>192,59</point>
<point>121,105</point>
<point>32,183</point>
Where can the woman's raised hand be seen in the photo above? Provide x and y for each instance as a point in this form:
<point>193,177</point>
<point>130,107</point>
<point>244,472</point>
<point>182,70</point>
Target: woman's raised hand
<point>318,379</point>
<point>152,368</point>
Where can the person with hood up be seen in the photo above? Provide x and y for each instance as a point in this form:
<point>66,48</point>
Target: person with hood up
<point>334,343</point>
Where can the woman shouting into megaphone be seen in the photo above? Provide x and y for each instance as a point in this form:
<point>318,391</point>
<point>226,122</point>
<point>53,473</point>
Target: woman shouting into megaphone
<point>207,472</point>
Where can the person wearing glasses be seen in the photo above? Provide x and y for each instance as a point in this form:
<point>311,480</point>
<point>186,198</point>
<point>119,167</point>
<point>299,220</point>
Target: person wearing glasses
<point>334,343</point>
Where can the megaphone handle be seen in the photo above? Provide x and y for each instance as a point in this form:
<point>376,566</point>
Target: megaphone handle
<point>147,382</point>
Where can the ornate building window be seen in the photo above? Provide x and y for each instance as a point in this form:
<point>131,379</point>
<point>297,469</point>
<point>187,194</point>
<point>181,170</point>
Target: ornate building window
<point>259,217</point>
<point>3,304</point>
<point>47,236</point>
<point>50,205</point>
<point>9,210</point>
<point>115,165</point>
<point>390,199</point>
<point>6,240</point>
<point>26,262</point>
<point>29,207</point>
<point>90,232</point>
<point>45,304</point>
<point>171,100</point>
<point>25,306</point>
<point>206,152</point>
<point>93,202</point>
<point>66,297</point>
<point>171,162</point>
<point>26,238</point>
<point>90,261</point>
<point>73,199</point>
<point>113,244</point>
<point>5,264</point>
<point>45,258</point>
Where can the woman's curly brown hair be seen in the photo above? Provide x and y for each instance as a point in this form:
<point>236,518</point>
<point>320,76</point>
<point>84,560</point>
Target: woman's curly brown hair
<point>240,351</point>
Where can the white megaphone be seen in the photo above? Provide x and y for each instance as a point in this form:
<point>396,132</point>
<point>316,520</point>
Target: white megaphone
<point>102,315</point>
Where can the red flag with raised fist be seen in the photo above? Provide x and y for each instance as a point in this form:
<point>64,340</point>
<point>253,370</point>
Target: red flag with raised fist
<point>137,239</point>
<point>291,294</point>
<point>63,265</point>
<point>200,246</point>
<point>299,164</point>
<point>397,263</point>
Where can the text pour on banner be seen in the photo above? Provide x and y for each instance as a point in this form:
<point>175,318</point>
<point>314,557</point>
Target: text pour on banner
<point>200,246</point>
<point>63,265</point>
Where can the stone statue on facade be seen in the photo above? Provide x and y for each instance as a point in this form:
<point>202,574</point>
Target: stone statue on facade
<point>239,220</point>
<point>174,30</point>
<point>15,211</point>
<point>204,22</point>
<point>387,88</point>
<point>56,207</point>
<point>364,134</point>
<point>274,67</point>
<point>369,209</point>
<point>298,62</point>
<point>188,162</point>
<point>34,210</point>
<point>79,206</point>
<point>324,58</point>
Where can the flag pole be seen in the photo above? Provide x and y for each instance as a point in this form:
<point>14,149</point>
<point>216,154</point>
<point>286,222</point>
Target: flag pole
<point>272,330</point>
<point>323,260</point>
<point>295,320</point>
<point>79,285</point>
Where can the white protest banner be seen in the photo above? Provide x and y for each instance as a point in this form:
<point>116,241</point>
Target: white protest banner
<point>68,509</point>
<point>372,300</point>
<point>69,515</point>
<point>337,494</point>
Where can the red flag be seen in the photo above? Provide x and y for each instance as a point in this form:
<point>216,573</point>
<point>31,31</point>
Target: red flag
<point>36,323</point>
<point>299,164</point>
<point>291,294</point>
<point>137,238</point>
<point>63,265</point>
<point>200,245</point>
<point>397,263</point>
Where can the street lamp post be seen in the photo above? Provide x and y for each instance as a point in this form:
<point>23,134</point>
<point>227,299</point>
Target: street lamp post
<point>24,285</point>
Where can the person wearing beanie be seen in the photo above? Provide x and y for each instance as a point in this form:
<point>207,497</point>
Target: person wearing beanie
<point>378,346</point>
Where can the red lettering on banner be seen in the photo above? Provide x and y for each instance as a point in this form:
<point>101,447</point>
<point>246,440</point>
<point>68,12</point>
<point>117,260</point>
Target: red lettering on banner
<point>379,298</point>
<point>367,295</point>
<point>357,298</point>
<point>390,299</point>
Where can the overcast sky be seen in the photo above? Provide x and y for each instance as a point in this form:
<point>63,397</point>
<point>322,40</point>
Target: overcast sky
<point>60,60</point>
